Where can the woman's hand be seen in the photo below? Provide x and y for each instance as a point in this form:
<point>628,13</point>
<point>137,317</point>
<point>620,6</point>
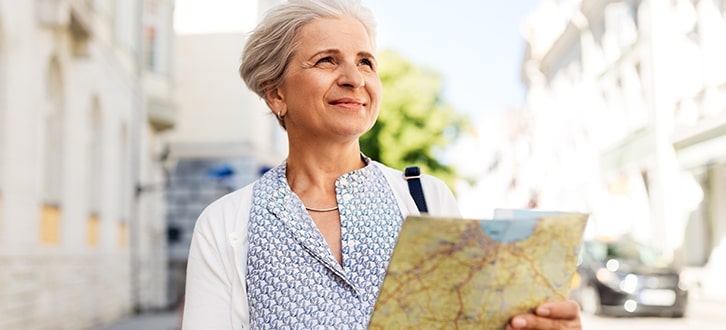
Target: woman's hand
<point>550,315</point>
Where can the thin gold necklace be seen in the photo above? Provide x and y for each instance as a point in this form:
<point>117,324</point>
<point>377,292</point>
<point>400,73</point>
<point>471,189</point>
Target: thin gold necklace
<point>327,209</point>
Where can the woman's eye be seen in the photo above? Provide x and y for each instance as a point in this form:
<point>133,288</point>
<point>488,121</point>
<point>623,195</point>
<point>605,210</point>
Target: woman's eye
<point>324,60</point>
<point>367,62</point>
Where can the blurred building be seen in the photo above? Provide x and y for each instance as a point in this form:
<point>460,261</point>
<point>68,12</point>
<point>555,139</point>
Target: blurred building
<point>225,136</point>
<point>85,96</point>
<point>506,174</point>
<point>637,89</point>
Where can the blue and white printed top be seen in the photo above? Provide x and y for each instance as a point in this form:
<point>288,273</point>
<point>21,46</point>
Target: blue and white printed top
<point>293,279</point>
<point>216,295</point>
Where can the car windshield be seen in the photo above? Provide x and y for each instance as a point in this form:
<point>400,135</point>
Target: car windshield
<point>624,250</point>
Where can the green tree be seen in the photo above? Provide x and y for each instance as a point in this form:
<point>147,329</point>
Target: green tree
<point>415,125</point>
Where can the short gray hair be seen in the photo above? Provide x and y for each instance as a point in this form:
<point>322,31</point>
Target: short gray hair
<point>272,43</point>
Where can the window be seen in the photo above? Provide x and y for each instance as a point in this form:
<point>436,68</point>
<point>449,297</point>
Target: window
<point>125,23</point>
<point>3,129</point>
<point>95,159</point>
<point>156,34</point>
<point>124,167</point>
<point>150,45</point>
<point>122,191</point>
<point>95,177</point>
<point>50,220</point>
<point>53,147</point>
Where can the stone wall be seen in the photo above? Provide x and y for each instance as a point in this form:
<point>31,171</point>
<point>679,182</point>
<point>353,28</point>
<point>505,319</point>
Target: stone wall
<point>63,291</point>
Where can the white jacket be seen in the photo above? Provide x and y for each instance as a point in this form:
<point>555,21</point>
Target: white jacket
<point>216,294</point>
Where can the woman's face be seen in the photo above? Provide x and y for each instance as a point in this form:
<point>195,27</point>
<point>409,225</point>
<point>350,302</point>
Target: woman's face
<point>332,88</point>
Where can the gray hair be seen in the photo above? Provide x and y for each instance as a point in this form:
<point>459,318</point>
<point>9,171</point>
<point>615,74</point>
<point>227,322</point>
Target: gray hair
<point>271,45</point>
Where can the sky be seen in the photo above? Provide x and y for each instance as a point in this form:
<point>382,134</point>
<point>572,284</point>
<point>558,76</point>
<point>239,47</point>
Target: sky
<point>476,45</point>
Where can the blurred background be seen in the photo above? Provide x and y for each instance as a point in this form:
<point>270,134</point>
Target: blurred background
<point>120,120</point>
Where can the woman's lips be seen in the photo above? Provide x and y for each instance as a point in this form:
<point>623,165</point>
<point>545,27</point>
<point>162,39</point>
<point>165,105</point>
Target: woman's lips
<point>348,103</point>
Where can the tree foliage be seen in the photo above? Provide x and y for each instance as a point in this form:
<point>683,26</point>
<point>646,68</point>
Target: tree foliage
<point>415,125</point>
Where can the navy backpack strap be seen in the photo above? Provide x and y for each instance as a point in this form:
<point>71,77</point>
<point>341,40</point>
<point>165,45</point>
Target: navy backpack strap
<point>412,174</point>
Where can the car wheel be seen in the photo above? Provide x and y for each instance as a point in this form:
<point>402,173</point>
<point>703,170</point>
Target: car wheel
<point>590,300</point>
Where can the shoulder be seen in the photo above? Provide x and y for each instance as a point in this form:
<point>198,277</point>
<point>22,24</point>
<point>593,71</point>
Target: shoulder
<point>438,196</point>
<point>395,177</point>
<point>215,293</point>
<point>227,213</point>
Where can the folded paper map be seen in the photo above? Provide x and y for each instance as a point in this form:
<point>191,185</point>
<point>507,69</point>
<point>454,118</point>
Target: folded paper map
<point>477,274</point>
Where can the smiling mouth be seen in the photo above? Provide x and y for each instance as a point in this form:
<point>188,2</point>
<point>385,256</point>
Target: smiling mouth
<point>351,104</point>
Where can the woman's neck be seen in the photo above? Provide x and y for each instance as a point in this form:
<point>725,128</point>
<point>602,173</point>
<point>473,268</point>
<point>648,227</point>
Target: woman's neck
<point>313,169</point>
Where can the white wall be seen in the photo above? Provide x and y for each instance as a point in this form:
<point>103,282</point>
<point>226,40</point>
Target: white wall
<point>71,283</point>
<point>215,106</point>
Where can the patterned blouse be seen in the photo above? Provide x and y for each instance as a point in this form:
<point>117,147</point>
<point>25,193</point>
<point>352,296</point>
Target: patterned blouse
<point>293,279</point>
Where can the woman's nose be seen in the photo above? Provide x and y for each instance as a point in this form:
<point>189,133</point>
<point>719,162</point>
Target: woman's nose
<point>351,76</point>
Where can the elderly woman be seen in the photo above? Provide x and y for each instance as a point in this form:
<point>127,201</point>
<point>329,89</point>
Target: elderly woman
<point>307,245</point>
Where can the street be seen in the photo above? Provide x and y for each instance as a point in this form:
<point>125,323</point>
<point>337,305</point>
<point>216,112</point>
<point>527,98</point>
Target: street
<point>702,314</point>
<point>167,320</point>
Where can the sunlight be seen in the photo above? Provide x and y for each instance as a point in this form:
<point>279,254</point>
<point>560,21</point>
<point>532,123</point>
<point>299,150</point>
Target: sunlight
<point>214,16</point>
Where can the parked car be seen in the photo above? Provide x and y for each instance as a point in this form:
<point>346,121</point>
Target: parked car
<point>624,278</point>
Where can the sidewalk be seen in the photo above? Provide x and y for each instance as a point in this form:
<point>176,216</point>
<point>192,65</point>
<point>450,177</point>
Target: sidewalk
<point>165,320</point>
<point>699,307</point>
<point>706,307</point>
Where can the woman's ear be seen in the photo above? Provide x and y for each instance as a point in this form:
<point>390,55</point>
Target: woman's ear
<point>275,101</point>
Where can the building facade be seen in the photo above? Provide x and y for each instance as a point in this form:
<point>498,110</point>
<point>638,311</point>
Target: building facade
<point>84,101</point>
<point>640,85</point>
